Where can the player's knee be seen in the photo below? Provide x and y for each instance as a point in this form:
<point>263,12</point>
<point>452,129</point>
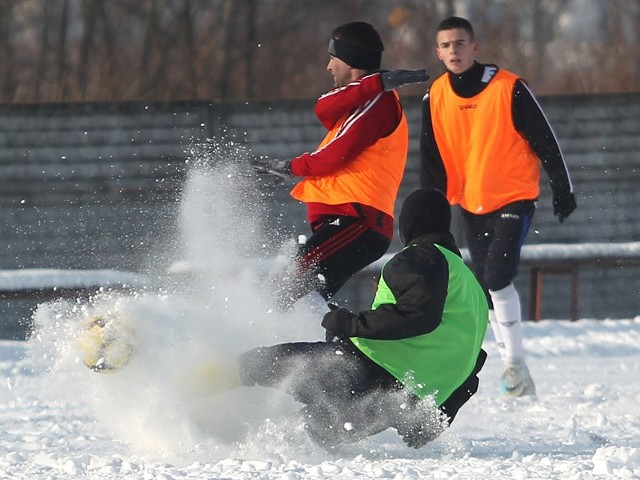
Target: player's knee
<point>495,281</point>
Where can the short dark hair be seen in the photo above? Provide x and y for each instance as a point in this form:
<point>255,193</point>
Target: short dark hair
<point>450,23</point>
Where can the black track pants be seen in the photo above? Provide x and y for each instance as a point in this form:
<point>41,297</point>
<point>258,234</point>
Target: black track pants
<point>495,240</point>
<point>337,250</point>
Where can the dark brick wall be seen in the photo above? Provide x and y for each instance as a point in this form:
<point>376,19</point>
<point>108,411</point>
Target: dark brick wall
<point>90,185</point>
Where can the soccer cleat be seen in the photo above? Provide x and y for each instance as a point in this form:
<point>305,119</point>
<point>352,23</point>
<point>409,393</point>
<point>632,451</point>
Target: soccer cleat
<point>214,379</point>
<point>105,343</point>
<point>517,382</point>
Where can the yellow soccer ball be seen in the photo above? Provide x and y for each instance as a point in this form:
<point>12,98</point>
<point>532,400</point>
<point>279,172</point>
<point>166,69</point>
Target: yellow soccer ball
<point>106,344</point>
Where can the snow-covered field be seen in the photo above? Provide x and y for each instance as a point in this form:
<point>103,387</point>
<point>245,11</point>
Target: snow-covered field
<point>68,422</point>
<point>59,420</point>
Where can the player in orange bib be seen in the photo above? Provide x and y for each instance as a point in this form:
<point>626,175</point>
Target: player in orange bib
<point>483,139</point>
<point>350,182</point>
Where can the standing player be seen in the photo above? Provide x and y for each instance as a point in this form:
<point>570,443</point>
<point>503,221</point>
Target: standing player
<point>483,138</point>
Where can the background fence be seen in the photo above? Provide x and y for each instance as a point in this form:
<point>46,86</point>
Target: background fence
<point>97,185</point>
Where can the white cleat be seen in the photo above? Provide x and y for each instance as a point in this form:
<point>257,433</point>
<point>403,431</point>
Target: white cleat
<point>215,378</point>
<point>517,382</point>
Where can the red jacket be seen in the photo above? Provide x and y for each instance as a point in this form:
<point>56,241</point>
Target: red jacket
<point>360,118</point>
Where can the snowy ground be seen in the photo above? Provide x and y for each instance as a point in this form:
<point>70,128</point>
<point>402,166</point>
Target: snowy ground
<point>68,422</point>
<point>59,420</point>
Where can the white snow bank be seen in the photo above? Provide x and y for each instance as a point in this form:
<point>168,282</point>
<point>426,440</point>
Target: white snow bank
<point>50,279</point>
<point>590,251</point>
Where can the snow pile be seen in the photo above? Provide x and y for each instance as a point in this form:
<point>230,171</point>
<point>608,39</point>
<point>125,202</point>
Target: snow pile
<point>43,279</point>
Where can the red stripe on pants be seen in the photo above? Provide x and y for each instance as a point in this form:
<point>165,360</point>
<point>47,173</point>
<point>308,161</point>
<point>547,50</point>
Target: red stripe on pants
<point>335,243</point>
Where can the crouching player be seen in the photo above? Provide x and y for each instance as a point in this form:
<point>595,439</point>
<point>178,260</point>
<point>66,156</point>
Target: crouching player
<point>409,363</point>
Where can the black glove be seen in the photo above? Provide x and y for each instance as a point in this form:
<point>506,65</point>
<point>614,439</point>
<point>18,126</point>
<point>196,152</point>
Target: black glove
<point>279,168</point>
<point>328,335</point>
<point>416,436</point>
<point>418,421</point>
<point>397,78</point>
<point>339,322</point>
<point>563,205</point>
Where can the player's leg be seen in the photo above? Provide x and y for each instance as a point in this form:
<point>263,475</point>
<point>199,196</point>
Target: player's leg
<point>479,235</point>
<point>510,227</point>
<point>336,251</point>
<point>343,392</point>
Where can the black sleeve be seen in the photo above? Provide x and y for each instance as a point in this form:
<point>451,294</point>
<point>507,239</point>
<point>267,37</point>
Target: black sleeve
<point>531,122</point>
<point>418,278</point>
<point>432,172</point>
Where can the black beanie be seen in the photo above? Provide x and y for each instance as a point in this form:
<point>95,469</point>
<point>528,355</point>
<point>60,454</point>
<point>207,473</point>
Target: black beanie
<point>358,45</point>
<point>424,211</point>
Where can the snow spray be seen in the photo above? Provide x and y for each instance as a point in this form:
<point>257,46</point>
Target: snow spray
<point>212,304</point>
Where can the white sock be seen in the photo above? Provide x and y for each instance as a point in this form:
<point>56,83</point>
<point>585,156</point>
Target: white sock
<point>495,327</point>
<point>506,304</point>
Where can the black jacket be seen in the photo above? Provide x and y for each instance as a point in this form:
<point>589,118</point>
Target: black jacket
<point>418,277</point>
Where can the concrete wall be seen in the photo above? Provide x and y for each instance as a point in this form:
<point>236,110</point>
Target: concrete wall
<point>97,185</point>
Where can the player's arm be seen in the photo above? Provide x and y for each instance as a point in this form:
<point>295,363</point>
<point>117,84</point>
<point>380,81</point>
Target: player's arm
<point>531,122</point>
<point>337,103</point>
<point>366,125</point>
<point>432,171</point>
<point>419,286</point>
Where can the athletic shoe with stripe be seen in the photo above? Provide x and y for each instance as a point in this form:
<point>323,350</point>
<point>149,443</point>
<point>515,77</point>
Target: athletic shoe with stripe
<point>517,382</point>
